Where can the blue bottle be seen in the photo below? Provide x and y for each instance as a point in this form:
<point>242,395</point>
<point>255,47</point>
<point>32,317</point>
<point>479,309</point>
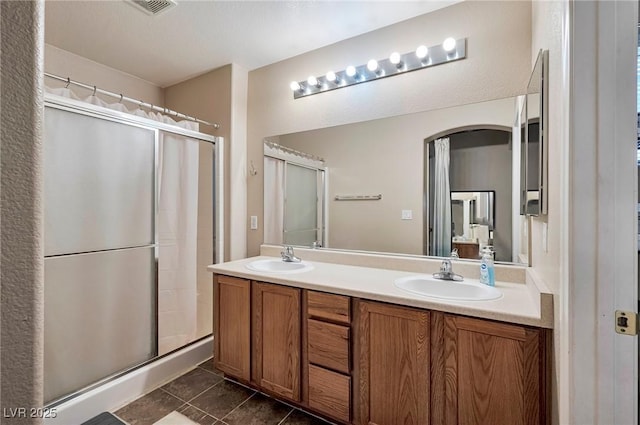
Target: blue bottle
<point>487,270</point>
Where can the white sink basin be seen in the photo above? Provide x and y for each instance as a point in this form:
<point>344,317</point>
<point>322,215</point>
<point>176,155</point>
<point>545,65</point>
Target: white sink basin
<point>279,266</point>
<point>429,286</point>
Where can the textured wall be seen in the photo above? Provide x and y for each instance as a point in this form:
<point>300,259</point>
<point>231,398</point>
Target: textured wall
<point>497,66</point>
<point>21,264</point>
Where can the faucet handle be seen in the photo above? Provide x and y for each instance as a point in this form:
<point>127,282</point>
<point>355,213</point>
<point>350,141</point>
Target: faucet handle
<point>446,267</point>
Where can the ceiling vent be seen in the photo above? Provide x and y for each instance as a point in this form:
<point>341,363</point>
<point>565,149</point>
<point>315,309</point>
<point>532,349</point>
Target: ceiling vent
<point>152,7</point>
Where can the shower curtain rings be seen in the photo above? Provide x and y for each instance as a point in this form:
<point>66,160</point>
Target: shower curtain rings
<point>66,86</point>
<point>94,90</point>
<point>121,97</point>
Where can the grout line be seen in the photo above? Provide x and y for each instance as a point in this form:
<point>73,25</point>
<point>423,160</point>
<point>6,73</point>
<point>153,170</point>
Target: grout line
<point>285,418</point>
<point>202,392</point>
<point>235,408</point>
<point>120,419</point>
<point>205,412</point>
<point>194,397</point>
<point>211,372</point>
<point>173,395</point>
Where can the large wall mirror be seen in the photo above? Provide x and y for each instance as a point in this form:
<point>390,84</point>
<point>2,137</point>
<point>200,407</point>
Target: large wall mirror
<point>375,191</point>
<point>534,153</point>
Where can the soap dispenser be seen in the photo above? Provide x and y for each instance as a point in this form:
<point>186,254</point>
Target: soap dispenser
<point>487,271</point>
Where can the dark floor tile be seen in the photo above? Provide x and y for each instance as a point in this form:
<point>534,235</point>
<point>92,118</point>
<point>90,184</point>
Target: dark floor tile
<point>104,418</point>
<point>208,365</point>
<point>191,384</point>
<point>258,410</point>
<point>222,398</point>
<point>298,417</point>
<point>197,415</point>
<point>149,409</point>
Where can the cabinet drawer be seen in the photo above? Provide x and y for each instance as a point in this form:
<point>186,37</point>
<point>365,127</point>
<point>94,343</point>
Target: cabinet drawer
<point>328,345</point>
<point>328,306</point>
<point>329,392</point>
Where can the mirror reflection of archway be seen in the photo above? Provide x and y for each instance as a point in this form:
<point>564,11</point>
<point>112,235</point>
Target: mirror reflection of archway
<point>480,157</point>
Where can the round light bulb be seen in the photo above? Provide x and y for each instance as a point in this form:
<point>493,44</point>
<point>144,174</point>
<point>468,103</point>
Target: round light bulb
<point>295,86</point>
<point>394,58</point>
<point>372,65</point>
<point>449,44</point>
<point>331,76</point>
<point>312,81</point>
<point>422,52</point>
<point>351,71</point>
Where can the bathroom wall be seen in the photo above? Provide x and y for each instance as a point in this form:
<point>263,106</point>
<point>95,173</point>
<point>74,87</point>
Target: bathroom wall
<point>78,68</point>
<point>207,97</point>
<point>547,20</point>
<point>385,156</point>
<point>497,66</point>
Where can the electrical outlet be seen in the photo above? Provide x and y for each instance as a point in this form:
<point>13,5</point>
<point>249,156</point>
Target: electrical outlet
<point>407,215</point>
<point>254,222</point>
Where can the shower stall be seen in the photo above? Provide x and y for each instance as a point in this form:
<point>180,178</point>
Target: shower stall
<point>130,224</point>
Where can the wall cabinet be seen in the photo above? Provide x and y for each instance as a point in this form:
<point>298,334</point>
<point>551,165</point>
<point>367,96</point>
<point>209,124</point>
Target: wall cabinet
<point>276,339</point>
<point>373,363</point>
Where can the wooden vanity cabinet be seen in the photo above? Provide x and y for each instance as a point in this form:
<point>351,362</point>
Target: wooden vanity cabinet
<point>393,364</point>
<point>425,367</point>
<point>373,363</point>
<point>486,372</point>
<point>276,339</point>
<point>232,326</point>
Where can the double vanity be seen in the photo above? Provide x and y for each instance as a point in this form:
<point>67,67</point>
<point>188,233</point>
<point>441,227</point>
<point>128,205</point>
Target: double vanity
<point>375,339</point>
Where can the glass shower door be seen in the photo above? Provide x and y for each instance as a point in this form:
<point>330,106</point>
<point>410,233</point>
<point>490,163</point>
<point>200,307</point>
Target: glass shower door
<point>302,205</point>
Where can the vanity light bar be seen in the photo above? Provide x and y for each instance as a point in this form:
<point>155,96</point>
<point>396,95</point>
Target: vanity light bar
<point>423,57</point>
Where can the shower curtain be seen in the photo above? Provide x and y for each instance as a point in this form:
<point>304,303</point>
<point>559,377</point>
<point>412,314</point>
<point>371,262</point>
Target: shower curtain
<point>441,200</point>
<point>274,200</point>
<point>178,241</point>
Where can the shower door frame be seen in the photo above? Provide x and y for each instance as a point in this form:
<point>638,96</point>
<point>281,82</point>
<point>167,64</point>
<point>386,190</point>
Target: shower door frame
<point>86,109</point>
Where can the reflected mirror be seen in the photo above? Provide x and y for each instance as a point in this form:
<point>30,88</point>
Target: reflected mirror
<point>472,221</point>
<point>534,151</point>
<point>375,181</point>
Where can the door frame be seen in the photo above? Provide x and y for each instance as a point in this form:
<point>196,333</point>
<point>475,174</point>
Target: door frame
<point>601,219</point>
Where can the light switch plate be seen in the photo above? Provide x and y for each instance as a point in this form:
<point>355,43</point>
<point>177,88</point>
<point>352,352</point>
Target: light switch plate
<point>407,215</point>
<point>254,222</point>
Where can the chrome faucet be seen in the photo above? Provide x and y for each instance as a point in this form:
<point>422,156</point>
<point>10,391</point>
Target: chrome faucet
<point>446,272</point>
<point>288,256</point>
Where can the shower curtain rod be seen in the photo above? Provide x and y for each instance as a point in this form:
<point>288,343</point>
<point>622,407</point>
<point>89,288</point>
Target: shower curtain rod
<point>128,99</point>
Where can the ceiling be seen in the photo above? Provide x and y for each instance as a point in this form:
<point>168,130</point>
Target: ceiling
<point>197,36</point>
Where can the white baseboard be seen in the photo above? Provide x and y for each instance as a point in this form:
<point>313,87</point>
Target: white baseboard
<point>119,392</point>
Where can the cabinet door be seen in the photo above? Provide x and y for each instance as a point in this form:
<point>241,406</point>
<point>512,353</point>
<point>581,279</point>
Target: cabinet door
<point>393,364</point>
<point>232,301</point>
<point>493,373</point>
<point>276,339</point>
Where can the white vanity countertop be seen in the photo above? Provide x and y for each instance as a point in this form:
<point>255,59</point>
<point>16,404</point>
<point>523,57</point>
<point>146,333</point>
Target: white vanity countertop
<point>521,303</point>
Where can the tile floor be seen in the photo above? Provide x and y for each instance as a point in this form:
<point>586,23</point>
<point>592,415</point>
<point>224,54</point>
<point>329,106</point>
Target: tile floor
<point>202,397</point>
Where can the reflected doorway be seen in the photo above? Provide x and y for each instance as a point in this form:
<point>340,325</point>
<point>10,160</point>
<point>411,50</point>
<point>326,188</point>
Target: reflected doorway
<point>479,158</point>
